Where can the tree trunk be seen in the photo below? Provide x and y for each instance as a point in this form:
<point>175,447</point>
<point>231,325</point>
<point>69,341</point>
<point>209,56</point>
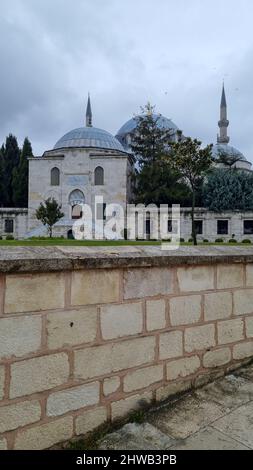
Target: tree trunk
<point>194,237</point>
<point>50,232</point>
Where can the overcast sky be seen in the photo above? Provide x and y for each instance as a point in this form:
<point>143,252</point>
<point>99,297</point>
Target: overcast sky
<point>125,52</point>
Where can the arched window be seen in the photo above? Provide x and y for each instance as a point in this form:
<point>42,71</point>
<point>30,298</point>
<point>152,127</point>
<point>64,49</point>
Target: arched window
<point>76,199</point>
<point>99,176</point>
<point>55,177</point>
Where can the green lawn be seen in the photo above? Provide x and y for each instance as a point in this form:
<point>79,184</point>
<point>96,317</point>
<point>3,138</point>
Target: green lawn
<point>63,241</point>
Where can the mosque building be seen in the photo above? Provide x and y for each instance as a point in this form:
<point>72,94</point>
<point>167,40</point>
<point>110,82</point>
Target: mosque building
<point>88,162</point>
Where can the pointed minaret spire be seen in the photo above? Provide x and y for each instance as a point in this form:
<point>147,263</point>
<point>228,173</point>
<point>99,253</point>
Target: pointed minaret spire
<point>88,113</point>
<point>223,122</point>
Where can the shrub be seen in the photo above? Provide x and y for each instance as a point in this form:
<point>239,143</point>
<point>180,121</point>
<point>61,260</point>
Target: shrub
<point>246,240</point>
<point>232,240</point>
<point>205,240</point>
<point>190,240</point>
<point>181,240</point>
<point>219,240</point>
<point>1,237</point>
<point>9,237</point>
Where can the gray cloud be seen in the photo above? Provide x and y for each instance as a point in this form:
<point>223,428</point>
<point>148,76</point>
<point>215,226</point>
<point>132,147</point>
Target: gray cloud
<point>174,54</point>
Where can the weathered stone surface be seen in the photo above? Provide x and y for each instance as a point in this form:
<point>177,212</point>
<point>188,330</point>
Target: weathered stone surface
<point>136,437</point>
<point>199,337</point>
<point>243,350</point>
<point>147,282</point>
<point>195,278</point>
<point>217,358</point>
<point>182,367</point>
<point>111,385</point>
<point>38,374</point>
<point>19,336</point>
<point>71,327</point>
<point>83,290</point>
<point>24,259</point>
<point>2,377</point>
<point>74,398</point>
<point>238,424</point>
<point>249,275</point>
<point>209,439</point>
<point>186,416</point>
<point>3,444</point>
<point>142,378</point>
<point>90,420</point>
<point>19,414</point>
<point>229,276</point>
<point>171,345</point>
<point>249,327</point>
<point>156,318</point>
<point>230,331</point>
<point>44,436</point>
<point>166,391</point>
<point>243,301</point>
<point>123,407</point>
<point>185,310</point>
<point>121,320</point>
<point>217,305</point>
<point>26,293</point>
<point>101,360</point>
<point>230,391</point>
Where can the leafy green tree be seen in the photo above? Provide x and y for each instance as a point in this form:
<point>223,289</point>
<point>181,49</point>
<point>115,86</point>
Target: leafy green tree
<point>11,157</point>
<point>154,182</point>
<point>228,190</point>
<point>49,212</point>
<point>20,177</point>
<point>193,162</point>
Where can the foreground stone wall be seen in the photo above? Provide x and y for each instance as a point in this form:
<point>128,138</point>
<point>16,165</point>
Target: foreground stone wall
<point>81,347</point>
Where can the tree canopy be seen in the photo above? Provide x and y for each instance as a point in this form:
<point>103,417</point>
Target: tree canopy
<point>49,212</point>
<point>228,190</point>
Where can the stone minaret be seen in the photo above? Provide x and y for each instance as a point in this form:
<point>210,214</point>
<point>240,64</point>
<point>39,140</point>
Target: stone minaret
<point>223,122</point>
<point>88,113</point>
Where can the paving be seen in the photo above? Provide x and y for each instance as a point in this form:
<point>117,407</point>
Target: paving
<point>218,416</point>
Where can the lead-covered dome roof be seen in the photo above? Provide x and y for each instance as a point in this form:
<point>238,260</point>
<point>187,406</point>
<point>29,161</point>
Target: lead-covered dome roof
<point>227,150</point>
<point>89,137</point>
<point>131,125</point>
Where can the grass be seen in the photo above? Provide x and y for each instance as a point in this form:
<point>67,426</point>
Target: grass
<point>65,242</point>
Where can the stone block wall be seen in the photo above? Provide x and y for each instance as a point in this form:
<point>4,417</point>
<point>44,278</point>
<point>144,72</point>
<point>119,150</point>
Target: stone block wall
<point>82,347</point>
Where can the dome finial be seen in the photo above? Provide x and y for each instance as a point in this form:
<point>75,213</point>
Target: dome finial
<point>88,113</point>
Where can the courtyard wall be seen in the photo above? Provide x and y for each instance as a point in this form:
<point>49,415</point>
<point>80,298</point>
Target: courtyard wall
<point>88,335</point>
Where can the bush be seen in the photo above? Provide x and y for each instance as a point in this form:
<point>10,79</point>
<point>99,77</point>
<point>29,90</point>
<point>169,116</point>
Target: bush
<point>1,237</point>
<point>232,240</point>
<point>181,240</point>
<point>205,240</point>
<point>219,240</point>
<point>190,240</point>
<point>246,240</point>
<point>9,237</point>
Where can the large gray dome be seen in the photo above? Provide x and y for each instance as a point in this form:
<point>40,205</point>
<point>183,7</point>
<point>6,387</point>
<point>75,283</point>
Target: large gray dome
<point>228,150</point>
<point>129,127</point>
<point>89,137</point>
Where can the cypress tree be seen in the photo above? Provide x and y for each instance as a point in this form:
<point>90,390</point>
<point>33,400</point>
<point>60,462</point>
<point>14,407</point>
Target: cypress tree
<point>11,158</point>
<point>20,177</point>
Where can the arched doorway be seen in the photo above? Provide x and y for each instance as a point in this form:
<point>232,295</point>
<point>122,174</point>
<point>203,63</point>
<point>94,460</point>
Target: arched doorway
<point>70,235</point>
<point>76,199</point>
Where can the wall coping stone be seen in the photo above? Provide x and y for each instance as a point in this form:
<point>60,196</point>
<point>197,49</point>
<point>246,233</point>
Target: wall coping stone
<point>27,259</point>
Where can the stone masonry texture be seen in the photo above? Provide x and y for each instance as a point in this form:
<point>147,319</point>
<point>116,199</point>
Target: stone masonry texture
<point>87,336</point>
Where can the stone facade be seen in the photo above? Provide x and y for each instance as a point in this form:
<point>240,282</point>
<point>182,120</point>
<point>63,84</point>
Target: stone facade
<point>14,222</point>
<point>70,361</point>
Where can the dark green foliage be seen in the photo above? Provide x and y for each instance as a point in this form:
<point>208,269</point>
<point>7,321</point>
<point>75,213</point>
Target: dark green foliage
<point>49,213</point>
<point>219,240</point>
<point>227,190</point>
<point>246,240</point>
<point>205,240</point>
<point>154,181</point>
<point>192,162</point>
<point>9,237</point>
<point>20,177</point>
<point>232,240</point>
<point>10,159</point>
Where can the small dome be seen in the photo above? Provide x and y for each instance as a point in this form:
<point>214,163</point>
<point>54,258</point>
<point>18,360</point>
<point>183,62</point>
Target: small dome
<point>86,137</point>
<point>130,126</point>
<point>228,150</point>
